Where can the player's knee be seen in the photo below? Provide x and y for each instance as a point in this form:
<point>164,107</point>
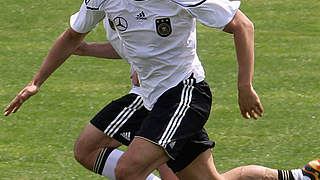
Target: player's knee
<point>84,157</point>
<point>81,153</point>
<point>121,171</point>
<point>125,169</point>
<point>78,154</point>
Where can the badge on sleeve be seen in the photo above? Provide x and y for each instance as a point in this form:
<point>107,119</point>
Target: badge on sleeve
<point>163,26</point>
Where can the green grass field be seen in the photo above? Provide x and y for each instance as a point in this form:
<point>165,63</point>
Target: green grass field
<point>37,142</point>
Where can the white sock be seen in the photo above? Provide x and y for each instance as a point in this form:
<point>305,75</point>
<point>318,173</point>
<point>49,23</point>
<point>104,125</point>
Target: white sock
<point>297,174</point>
<point>152,177</point>
<point>111,163</point>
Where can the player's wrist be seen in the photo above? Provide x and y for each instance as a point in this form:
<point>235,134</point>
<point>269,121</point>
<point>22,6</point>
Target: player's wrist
<point>244,86</point>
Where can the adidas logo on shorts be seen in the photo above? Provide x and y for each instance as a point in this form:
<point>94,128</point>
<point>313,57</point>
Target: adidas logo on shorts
<point>171,144</point>
<point>126,135</point>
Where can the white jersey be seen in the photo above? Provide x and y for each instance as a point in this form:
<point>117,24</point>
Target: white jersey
<point>158,36</point>
<point>114,39</point>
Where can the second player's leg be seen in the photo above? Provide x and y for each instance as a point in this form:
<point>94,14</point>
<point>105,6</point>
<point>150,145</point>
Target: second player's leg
<point>202,168</point>
<point>251,172</point>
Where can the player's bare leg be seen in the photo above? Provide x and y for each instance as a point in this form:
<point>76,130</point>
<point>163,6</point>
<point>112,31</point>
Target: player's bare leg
<point>97,152</point>
<point>202,168</point>
<point>140,159</point>
<point>143,156</point>
<point>166,173</point>
<point>252,172</point>
<point>90,143</point>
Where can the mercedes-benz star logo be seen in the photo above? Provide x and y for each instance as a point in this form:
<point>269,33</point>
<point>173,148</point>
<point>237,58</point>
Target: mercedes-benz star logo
<point>121,23</point>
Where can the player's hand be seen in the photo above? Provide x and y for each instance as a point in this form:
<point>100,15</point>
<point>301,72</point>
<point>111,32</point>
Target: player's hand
<point>24,94</point>
<point>134,79</point>
<point>249,102</point>
<point>80,51</point>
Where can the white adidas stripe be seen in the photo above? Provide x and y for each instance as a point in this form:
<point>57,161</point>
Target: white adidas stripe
<point>122,121</point>
<point>179,113</point>
<point>171,123</point>
<point>123,116</point>
<point>98,162</point>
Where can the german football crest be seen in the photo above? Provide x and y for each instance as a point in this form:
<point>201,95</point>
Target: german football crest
<point>163,26</point>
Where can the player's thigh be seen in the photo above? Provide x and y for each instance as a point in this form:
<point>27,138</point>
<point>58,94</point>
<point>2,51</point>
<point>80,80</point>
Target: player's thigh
<point>202,168</point>
<point>116,122</point>
<point>91,139</point>
<point>142,157</point>
<point>121,118</point>
<point>89,144</point>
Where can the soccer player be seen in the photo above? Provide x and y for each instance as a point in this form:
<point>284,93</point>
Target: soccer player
<point>159,37</point>
<point>117,122</point>
<point>312,169</point>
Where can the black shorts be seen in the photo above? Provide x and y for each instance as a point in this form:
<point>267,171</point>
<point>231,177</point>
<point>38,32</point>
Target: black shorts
<point>121,118</point>
<point>175,122</point>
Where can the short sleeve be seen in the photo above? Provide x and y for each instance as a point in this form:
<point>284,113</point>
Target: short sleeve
<point>88,17</point>
<point>212,13</point>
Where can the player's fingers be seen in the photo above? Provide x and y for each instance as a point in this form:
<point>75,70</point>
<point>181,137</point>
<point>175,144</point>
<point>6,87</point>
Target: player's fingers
<point>12,103</point>
<point>7,111</point>
<point>20,100</point>
<point>260,107</point>
<point>10,108</point>
<point>245,114</point>
<point>258,111</point>
<point>16,108</point>
<point>253,114</point>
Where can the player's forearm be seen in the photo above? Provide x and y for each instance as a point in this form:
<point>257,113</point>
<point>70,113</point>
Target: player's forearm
<point>60,51</point>
<point>100,50</point>
<point>243,30</point>
<point>244,44</point>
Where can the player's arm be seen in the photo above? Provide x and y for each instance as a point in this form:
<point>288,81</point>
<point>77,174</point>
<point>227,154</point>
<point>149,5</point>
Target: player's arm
<point>102,50</point>
<point>226,15</point>
<point>243,31</point>
<point>97,49</point>
<point>63,47</point>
